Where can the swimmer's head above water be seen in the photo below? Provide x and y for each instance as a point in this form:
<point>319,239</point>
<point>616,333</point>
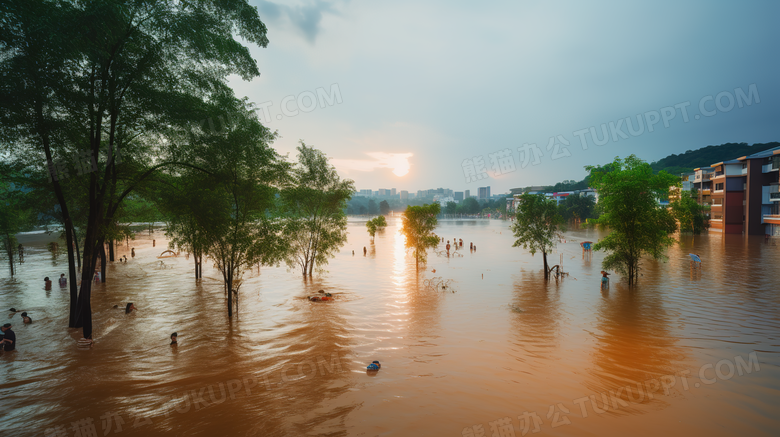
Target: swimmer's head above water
<point>129,307</point>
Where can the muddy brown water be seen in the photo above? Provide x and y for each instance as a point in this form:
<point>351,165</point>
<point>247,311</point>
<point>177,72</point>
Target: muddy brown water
<point>498,352</point>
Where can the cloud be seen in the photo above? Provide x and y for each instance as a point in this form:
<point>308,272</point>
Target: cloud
<point>307,18</point>
<point>399,162</point>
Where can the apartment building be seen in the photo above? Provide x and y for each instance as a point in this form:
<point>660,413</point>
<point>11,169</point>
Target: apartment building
<point>741,194</point>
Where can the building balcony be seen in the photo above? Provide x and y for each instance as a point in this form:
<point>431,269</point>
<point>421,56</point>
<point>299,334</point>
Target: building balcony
<point>718,174</point>
<point>771,219</point>
<point>774,193</point>
<point>706,192</point>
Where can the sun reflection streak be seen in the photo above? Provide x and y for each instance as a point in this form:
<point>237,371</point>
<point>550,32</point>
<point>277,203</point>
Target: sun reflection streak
<point>399,252</point>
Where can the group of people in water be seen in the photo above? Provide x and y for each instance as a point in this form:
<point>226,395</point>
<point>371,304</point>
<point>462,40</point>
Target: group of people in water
<point>8,336</point>
<point>458,243</point>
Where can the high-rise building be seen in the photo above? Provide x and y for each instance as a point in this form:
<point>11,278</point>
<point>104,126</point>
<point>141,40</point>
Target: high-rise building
<point>392,192</point>
<point>383,192</point>
<point>483,193</point>
<point>467,195</point>
<point>366,193</point>
<point>458,196</point>
<point>404,195</point>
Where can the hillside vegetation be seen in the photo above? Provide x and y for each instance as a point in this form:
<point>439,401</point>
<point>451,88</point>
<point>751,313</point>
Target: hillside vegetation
<point>684,162</point>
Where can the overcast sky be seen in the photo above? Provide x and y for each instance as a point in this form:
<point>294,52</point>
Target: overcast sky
<point>413,94</point>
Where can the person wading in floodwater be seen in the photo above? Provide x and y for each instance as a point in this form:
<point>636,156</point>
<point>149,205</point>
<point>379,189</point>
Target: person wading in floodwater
<point>604,279</point>
<point>9,338</point>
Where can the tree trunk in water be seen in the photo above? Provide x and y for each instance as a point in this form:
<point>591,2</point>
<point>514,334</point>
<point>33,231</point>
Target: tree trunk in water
<point>198,257</point>
<point>72,278</point>
<point>102,262</point>
<point>111,250</point>
<point>229,286</point>
<point>92,247</point>
<point>546,269</point>
<point>76,244</point>
<point>9,246</point>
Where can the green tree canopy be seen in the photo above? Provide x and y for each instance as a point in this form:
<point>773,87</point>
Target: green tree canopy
<point>470,206</point>
<point>451,208</point>
<point>687,211</point>
<point>384,207</point>
<point>578,206</point>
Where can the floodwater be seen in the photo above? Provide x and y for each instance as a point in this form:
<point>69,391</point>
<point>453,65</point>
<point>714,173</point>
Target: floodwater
<point>498,352</point>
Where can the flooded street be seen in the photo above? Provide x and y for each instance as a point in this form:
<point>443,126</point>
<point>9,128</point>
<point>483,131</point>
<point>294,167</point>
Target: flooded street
<point>498,348</point>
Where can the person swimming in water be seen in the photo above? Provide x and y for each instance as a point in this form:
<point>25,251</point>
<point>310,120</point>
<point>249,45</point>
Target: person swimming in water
<point>26,318</point>
<point>174,339</point>
<point>130,307</point>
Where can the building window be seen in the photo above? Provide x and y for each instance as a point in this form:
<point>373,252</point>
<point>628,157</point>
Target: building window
<point>719,187</point>
<point>744,165</point>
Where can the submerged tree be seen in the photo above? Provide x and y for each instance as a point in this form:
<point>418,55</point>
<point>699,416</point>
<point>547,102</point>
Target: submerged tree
<point>314,204</point>
<point>537,226</point>
<point>376,224</point>
<point>418,225</point>
<point>687,211</point>
<point>628,194</point>
<point>227,211</point>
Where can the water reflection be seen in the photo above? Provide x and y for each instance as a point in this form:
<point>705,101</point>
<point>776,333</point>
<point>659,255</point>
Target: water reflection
<point>536,313</point>
<point>634,343</point>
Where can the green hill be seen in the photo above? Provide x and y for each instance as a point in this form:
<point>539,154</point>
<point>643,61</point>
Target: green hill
<point>706,156</point>
<point>684,162</point>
